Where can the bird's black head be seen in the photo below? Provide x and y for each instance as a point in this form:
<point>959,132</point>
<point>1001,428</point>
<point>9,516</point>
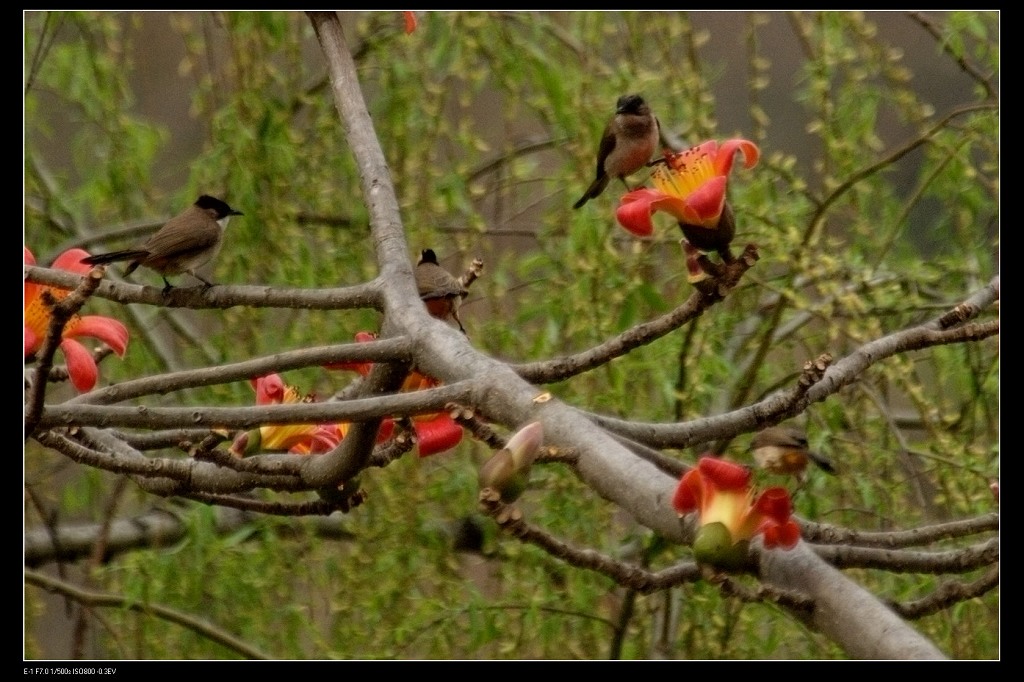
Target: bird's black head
<point>631,104</point>
<point>220,208</point>
<point>428,256</point>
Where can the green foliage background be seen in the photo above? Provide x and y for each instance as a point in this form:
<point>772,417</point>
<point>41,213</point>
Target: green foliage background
<point>489,123</point>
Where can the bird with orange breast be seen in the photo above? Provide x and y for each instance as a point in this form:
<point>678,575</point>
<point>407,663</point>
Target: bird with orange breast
<point>784,450</point>
<point>629,140</point>
<point>440,291</point>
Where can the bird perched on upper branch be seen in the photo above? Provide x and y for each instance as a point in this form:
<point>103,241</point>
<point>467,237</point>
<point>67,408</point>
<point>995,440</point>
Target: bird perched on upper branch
<point>784,450</point>
<point>440,291</point>
<point>185,242</point>
<point>629,140</point>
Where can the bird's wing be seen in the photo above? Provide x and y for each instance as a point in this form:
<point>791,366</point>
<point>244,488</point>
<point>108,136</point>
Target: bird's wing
<point>606,147</point>
<point>781,436</point>
<point>171,241</point>
<point>433,281</point>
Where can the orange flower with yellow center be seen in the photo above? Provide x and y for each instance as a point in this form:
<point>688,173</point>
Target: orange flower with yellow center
<point>39,302</point>
<point>301,439</point>
<point>691,187</point>
<point>730,517</point>
<point>435,432</point>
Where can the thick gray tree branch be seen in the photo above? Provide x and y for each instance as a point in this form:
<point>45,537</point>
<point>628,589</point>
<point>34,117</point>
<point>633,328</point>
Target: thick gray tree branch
<point>845,612</point>
<point>220,296</point>
<point>362,409</point>
<point>389,350</point>
<point>156,528</point>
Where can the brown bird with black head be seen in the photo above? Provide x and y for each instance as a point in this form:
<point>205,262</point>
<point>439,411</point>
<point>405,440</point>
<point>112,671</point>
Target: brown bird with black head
<point>629,140</point>
<point>439,290</point>
<point>185,242</point>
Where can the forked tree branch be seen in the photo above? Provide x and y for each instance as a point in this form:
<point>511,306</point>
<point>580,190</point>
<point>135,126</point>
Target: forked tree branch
<point>618,460</point>
<point>849,615</point>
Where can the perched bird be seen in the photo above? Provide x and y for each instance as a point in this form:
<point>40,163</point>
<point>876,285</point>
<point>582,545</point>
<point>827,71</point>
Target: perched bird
<point>440,291</point>
<point>783,450</point>
<point>185,242</point>
<point>629,141</point>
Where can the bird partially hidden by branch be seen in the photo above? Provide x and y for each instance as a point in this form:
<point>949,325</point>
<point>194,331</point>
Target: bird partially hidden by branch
<point>439,290</point>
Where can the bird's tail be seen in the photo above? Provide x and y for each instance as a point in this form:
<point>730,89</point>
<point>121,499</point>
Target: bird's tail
<point>823,462</point>
<point>595,189</point>
<point>115,256</point>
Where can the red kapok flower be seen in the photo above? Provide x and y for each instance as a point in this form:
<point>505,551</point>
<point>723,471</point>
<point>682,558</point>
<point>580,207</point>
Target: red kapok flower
<point>361,368</point>
<point>691,186</point>
<point>271,390</point>
<point>435,432</point>
<point>298,439</point>
<point>302,439</point>
<point>38,313</point>
<point>721,493</point>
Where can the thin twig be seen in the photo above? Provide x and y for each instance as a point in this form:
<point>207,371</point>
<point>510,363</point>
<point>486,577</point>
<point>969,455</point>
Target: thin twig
<point>559,369</point>
<point>61,313</point>
<point>966,66</point>
<point>907,561</point>
<point>188,621</point>
<point>510,520</point>
<point>947,594</point>
<point>825,534</point>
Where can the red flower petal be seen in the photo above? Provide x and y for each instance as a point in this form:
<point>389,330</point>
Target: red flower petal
<point>410,22</point>
<point>784,535</point>
<point>689,492</point>
<point>704,205</point>
<point>723,160</point>
<point>269,389</point>
<point>325,437</point>
<point>81,366</point>
<point>31,288</point>
<point>71,260</point>
<point>106,329</point>
<point>775,504</point>
<point>386,430</point>
<point>635,209</point>
<point>724,475</point>
<point>437,435</point>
